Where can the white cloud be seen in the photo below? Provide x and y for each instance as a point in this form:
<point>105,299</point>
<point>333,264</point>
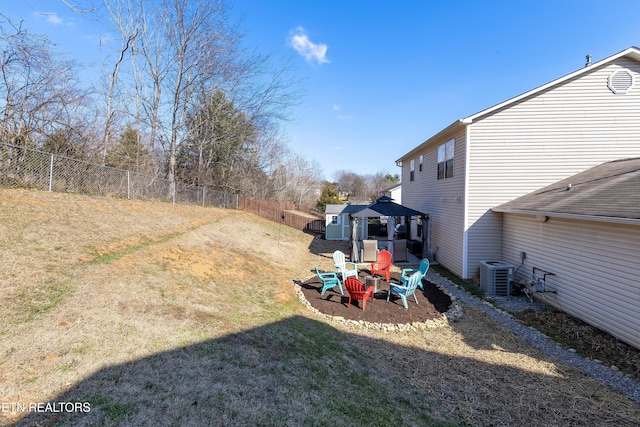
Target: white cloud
<point>305,47</point>
<point>54,19</point>
<point>341,116</point>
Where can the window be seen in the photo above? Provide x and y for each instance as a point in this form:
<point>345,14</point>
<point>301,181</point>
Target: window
<point>420,163</point>
<point>445,160</point>
<point>334,219</point>
<point>411,171</point>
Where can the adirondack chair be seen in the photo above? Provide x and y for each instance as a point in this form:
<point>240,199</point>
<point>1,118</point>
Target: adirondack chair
<point>356,291</point>
<point>403,291</point>
<point>329,281</point>
<point>345,269</point>
<point>407,272</point>
<point>383,265</point>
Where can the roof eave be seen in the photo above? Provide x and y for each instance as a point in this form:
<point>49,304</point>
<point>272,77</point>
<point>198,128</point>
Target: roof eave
<point>599,218</point>
<point>448,130</point>
<point>633,51</point>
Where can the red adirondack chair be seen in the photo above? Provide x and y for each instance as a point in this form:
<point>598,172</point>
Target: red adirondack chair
<point>356,291</point>
<point>383,265</point>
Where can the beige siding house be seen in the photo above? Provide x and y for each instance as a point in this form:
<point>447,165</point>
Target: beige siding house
<point>510,149</point>
<point>586,231</point>
<point>394,192</point>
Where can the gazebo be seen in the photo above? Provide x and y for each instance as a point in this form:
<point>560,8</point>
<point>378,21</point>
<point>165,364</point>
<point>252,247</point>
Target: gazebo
<point>385,206</point>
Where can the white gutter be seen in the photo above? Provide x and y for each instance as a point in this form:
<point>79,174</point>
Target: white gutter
<point>599,218</point>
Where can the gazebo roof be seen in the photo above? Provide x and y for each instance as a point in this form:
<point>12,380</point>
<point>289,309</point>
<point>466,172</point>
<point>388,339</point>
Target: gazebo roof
<point>385,206</point>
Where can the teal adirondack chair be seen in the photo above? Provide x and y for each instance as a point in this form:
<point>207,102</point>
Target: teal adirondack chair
<point>408,289</point>
<point>407,272</point>
<point>345,269</point>
<point>329,281</point>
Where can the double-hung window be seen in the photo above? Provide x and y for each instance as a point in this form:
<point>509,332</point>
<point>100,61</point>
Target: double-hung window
<point>445,160</point>
<point>412,166</point>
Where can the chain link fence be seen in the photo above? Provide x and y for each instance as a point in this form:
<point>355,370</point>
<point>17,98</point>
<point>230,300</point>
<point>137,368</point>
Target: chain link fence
<point>27,168</point>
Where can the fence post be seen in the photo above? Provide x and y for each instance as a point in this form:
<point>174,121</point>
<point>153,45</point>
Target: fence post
<point>51,173</point>
<point>174,192</point>
<point>203,190</point>
<point>128,185</point>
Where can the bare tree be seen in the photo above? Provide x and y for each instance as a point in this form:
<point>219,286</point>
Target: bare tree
<point>352,184</point>
<point>305,182</point>
<point>202,55</point>
<point>128,34</point>
<point>186,47</point>
<point>296,180</point>
<point>379,182</point>
<point>171,57</point>
<point>364,187</point>
<point>81,7</point>
<point>38,87</point>
<point>203,48</point>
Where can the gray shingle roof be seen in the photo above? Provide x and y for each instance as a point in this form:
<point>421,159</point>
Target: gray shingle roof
<point>610,190</point>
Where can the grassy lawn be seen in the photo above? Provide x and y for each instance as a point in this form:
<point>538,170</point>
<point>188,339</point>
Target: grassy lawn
<point>159,314</point>
<point>588,341</point>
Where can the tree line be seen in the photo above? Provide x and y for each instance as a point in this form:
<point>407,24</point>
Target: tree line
<point>350,187</point>
<point>178,97</point>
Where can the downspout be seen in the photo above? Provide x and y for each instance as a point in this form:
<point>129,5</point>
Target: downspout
<point>465,200</point>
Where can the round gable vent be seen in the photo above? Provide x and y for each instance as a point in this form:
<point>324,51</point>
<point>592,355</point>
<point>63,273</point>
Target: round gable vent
<point>620,81</point>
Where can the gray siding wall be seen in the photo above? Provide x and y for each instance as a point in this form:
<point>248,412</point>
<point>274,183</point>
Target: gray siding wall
<point>442,199</point>
<point>595,264</point>
<point>555,134</point>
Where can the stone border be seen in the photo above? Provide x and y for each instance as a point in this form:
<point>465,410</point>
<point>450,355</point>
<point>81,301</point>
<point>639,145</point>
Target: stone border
<point>452,315</point>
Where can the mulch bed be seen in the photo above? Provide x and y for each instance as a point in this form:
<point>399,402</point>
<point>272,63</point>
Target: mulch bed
<point>432,302</point>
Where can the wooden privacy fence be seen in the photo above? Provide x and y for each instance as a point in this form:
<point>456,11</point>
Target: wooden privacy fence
<point>284,213</point>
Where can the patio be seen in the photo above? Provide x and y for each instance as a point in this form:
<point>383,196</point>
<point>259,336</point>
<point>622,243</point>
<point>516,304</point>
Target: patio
<point>432,302</point>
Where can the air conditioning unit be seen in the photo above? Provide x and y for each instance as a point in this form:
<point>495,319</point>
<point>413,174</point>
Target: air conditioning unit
<point>496,277</point>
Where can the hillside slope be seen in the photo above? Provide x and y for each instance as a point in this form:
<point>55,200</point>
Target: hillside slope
<point>89,282</point>
<point>159,314</point>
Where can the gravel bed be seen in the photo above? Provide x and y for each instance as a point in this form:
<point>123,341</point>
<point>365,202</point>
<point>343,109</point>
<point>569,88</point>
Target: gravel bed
<point>598,372</point>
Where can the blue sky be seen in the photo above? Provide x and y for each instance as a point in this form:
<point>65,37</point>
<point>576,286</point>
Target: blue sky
<point>381,77</point>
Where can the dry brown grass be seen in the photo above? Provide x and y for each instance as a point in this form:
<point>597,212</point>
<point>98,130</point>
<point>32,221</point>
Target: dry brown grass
<point>162,314</point>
